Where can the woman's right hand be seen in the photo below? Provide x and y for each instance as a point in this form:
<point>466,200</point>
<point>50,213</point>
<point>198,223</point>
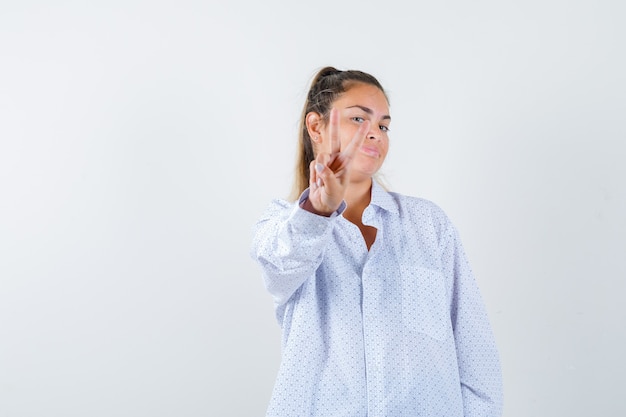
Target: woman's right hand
<point>330,172</point>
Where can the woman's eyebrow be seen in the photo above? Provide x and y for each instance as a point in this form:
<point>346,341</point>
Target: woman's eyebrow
<point>369,111</point>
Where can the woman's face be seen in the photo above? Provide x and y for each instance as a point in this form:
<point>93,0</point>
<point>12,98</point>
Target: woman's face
<point>360,103</point>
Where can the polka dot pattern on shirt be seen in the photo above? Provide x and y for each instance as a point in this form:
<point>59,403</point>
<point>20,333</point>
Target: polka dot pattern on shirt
<point>399,330</point>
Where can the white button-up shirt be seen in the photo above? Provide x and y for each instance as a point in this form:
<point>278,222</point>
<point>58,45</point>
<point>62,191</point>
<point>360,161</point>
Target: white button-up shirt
<point>399,330</point>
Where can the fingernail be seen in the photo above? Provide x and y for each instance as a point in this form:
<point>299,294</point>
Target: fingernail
<point>319,182</point>
<point>319,167</point>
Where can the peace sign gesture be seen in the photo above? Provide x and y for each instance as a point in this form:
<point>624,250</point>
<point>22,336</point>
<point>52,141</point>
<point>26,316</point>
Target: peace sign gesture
<point>330,171</point>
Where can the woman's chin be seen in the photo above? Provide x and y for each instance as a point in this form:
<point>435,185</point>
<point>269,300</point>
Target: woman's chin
<point>362,174</point>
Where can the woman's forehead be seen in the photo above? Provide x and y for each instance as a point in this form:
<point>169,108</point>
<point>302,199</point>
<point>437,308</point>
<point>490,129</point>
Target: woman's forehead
<point>363,96</point>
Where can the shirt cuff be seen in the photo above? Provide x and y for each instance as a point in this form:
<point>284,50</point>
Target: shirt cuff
<point>305,195</point>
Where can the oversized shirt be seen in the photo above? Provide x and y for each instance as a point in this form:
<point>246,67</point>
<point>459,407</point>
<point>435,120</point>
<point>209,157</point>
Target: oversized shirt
<point>399,330</point>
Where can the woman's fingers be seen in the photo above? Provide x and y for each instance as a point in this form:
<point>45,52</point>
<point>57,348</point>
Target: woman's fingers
<point>326,191</point>
<point>357,140</point>
<point>320,174</point>
<point>335,140</point>
<point>319,167</point>
<point>312,176</point>
<point>344,158</point>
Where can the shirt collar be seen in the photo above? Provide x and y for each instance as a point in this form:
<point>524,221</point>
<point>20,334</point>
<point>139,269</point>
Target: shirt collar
<point>382,198</point>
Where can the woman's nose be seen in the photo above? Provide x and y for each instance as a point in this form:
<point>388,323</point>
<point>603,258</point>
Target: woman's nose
<point>372,134</point>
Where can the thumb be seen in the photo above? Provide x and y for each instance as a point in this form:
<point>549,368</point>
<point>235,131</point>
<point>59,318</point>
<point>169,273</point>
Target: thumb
<point>321,174</point>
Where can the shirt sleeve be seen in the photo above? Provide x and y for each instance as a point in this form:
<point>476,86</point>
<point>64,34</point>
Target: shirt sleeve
<point>479,364</point>
<point>288,243</point>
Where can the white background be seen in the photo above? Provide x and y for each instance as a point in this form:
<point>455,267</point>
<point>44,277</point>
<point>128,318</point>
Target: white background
<point>140,141</point>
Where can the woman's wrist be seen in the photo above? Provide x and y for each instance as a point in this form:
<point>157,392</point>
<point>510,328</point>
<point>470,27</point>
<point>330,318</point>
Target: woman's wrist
<point>308,206</point>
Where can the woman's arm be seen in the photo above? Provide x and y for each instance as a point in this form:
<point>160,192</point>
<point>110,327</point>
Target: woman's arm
<point>479,364</point>
<point>289,244</point>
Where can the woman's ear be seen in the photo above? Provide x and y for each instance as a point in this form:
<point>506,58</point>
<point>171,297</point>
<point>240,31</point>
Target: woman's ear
<point>314,124</point>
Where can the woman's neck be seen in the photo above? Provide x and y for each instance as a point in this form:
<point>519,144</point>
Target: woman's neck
<point>358,197</point>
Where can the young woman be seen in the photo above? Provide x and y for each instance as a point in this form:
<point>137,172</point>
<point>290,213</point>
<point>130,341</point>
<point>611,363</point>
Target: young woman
<point>379,310</point>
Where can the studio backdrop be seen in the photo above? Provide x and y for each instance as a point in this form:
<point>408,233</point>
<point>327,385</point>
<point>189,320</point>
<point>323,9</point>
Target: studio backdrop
<point>141,140</point>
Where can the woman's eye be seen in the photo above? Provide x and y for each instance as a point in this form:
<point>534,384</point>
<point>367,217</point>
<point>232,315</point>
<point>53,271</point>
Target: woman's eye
<point>384,128</point>
<point>358,119</point>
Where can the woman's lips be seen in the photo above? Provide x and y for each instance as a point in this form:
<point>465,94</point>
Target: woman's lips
<point>370,150</point>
